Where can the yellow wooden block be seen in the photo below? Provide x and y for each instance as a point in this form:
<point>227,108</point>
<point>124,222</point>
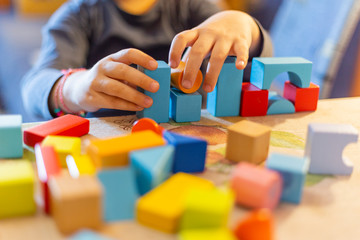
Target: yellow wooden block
<point>163,207</point>
<point>207,234</point>
<point>63,146</point>
<point>16,188</point>
<point>80,165</point>
<point>76,203</point>
<point>113,152</point>
<point>248,141</point>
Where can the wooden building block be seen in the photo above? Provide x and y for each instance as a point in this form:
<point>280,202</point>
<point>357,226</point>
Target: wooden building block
<point>120,193</point>
<point>16,188</point>
<point>11,136</point>
<point>162,207</point>
<point>76,203</point>
<point>88,235</point>
<point>304,99</point>
<point>279,105</point>
<point>63,146</point>
<point>207,208</point>
<point>324,147</point>
<point>67,125</point>
<point>206,234</point>
<point>185,107</point>
<point>48,164</point>
<point>256,187</point>
<point>265,69</point>
<point>190,152</point>
<point>258,225</point>
<point>113,152</point>
<point>254,101</point>
<point>147,124</point>
<point>248,141</point>
<point>224,100</point>
<point>159,111</point>
<point>177,76</point>
<point>80,165</point>
<point>293,172</point>
<point>152,166</point>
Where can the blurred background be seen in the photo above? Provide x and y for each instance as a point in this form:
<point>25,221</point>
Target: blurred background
<point>326,32</point>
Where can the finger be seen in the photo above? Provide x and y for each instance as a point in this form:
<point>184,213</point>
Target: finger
<point>121,71</point>
<point>217,59</point>
<point>178,45</point>
<point>120,90</point>
<point>196,56</point>
<point>134,56</point>
<point>111,102</point>
<point>241,50</point>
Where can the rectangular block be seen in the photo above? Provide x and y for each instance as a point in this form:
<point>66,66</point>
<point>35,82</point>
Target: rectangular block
<point>10,136</point>
<point>159,111</point>
<point>16,188</point>
<point>80,165</point>
<point>185,107</point>
<point>114,152</point>
<point>207,234</point>
<point>67,125</point>
<point>225,99</point>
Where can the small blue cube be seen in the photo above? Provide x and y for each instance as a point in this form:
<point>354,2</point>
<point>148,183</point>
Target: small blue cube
<point>185,107</point>
<point>11,136</point>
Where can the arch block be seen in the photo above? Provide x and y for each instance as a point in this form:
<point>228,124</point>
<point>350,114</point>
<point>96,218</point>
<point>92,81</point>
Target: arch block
<point>264,70</point>
<point>279,105</point>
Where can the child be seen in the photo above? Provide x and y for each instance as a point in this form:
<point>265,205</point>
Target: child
<point>105,37</point>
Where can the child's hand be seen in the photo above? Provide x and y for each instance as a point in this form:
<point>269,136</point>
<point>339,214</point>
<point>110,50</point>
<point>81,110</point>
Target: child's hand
<point>112,83</point>
<point>225,33</point>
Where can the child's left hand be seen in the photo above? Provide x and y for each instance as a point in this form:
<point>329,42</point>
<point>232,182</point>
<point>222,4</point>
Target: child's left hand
<point>225,33</point>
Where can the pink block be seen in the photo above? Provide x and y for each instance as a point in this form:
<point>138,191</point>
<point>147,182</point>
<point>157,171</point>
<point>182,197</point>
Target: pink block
<point>256,187</point>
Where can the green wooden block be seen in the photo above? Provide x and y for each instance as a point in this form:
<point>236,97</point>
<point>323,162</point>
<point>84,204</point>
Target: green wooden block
<point>10,136</point>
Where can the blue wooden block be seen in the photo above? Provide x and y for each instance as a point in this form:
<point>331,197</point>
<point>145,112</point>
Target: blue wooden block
<point>293,171</point>
<point>120,193</point>
<point>159,111</point>
<point>88,235</point>
<point>152,166</point>
<point>190,152</point>
<point>279,105</point>
<point>185,107</point>
<point>225,99</point>
<point>264,71</point>
<point>11,136</point>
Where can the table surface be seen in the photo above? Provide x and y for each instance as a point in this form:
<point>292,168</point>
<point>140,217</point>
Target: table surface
<point>330,205</point>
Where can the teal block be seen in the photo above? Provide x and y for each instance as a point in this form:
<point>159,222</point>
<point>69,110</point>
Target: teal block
<point>225,99</point>
<point>11,136</point>
<point>159,111</point>
<point>120,193</point>
<point>185,107</point>
<point>152,166</point>
<point>293,171</point>
<point>279,105</point>
<point>264,71</point>
<point>88,235</point>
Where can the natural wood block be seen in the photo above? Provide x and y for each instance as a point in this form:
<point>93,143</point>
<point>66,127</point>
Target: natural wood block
<point>248,141</point>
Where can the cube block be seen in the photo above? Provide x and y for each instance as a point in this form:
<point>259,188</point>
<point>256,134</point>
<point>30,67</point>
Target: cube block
<point>80,165</point>
<point>11,136</point>
<point>304,99</point>
<point>254,101</point>
<point>185,107</point>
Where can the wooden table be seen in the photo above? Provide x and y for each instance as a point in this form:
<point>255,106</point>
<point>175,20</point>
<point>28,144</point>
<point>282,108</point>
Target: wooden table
<point>330,207</point>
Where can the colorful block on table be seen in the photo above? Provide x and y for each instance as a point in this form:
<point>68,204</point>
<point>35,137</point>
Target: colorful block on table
<point>325,144</point>
<point>11,136</point>
<point>120,193</point>
<point>265,69</point>
<point>152,166</point>
<point>162,207</point>
<point>67,125</point>
<point>88,235</point>
<point>248,141</point>
<point>159,111</point>
<point>17,180</point>
<point>80,165</point>
<point>206,234</point>
<point>147,124</point>
<point>293,171</point>
<point>114,152</point>
<point>279,105</point>
<point>76,203</point>
<point>256,187</point>
<point>224,100</point>
<point>304,99</point>
<point>177,76</point>
<point>190,152</point>
<point>185,107</point>
<point>254,101</point>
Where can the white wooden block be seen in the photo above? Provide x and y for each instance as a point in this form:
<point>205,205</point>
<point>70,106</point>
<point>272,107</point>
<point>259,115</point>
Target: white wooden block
<point>324,147</point>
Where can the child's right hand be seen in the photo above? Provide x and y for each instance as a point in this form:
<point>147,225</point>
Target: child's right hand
<point>111,83</point>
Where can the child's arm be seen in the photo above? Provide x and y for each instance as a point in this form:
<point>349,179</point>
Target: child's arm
<point>225,33</point>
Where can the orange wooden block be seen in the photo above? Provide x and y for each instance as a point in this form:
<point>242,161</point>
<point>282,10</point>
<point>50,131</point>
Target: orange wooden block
<point>147,124</point>
<point>258,225</point>
<point>304,99</point>
<point>177,76</point>
<point>114,152</point>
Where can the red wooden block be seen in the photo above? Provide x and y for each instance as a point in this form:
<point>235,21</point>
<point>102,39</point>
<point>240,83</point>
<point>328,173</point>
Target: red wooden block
<point>48,164</point>
<point>254,101</point>
<point>147,124</point>
<point>67,125</point>
<point>304,99</point>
